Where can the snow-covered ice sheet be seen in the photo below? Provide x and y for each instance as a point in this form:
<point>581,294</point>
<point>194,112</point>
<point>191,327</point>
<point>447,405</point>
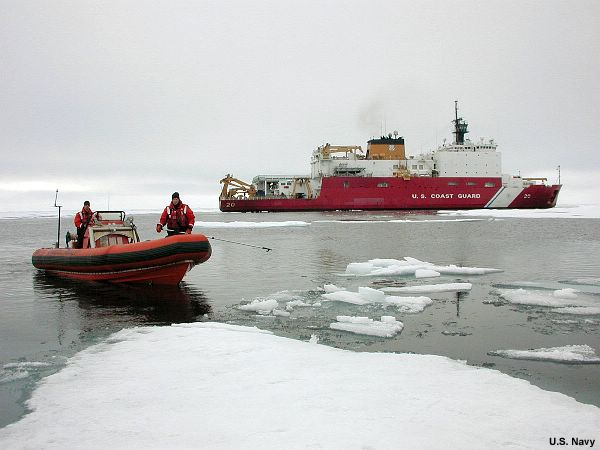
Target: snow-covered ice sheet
<point>221,386</point>
<point>573,354</point>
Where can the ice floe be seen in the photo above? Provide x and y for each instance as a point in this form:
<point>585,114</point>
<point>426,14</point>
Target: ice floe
<point>226,386</point>
<point>564,212</point>
<point>567,293</point>
<point>260,306</point>
<point>23,369</point>
<point>409,266</point>
<point>430,288</point>
<point>375,221</point>
<point>273,304</point>
<point>587,281</point>
<point>289,223</point>
<point>388,326</point>
<point>409,304</point>
<point>559,299</point>
<point>426,273</point>
<point>574,354</point>
<point>579,310</point>
<point>332,288</point>
<point>367,295</point>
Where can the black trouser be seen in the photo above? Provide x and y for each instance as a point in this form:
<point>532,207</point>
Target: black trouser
<point>80,234</point>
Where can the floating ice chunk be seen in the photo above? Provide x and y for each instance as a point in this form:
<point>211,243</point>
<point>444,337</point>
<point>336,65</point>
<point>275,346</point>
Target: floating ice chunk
<point>566,293</point>
<point>409,304</point>
<point>579,310</point>
<point>279,312</point>
<point>7,376</point>
<point>314,339</point>
<point>333,288</point>
<point>294,303</point>
<point>426,273</point>
<point>444,287</point>
<point>360,268</point>
<point>370,294</point>
<point>571,354</point>
<point>347,297</point>
<point>367,295</point>
<point>409,266</point>
<point>387,327</point>
<point>260,306</point>
<point>415,261</point>
<point>26,364</point>
<point>459,270</point>
<point>541,298</point>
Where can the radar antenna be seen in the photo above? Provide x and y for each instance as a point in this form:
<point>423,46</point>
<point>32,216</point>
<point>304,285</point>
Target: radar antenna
<point>460,126</point>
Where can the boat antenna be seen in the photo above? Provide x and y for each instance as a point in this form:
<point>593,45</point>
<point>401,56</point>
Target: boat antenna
<point>57,206</point>
<point>240,243</point>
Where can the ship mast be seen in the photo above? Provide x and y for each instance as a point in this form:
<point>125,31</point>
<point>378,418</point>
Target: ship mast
<point>460,126</point>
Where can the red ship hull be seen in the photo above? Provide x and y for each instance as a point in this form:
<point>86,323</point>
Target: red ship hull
<point>394,193</point>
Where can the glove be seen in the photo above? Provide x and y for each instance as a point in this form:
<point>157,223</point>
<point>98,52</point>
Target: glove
<point>158,227</point>
<point>188,231</point>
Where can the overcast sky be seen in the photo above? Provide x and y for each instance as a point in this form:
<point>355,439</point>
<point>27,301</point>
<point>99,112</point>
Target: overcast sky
<point>123,102</point>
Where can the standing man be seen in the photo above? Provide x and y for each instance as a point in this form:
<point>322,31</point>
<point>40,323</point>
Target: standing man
<point>178,217</point>
<point>82,219</point>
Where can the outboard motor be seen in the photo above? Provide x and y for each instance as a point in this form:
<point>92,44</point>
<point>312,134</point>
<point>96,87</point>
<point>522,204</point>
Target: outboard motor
<point>70,237</point>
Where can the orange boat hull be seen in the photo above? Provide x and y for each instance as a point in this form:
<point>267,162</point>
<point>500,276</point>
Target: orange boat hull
<point>162,261</point>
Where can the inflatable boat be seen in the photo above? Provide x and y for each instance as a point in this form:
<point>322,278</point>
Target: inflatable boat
<point>111,251</point>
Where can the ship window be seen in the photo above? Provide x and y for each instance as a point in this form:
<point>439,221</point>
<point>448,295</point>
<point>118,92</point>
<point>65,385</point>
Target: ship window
<point>384,184</point>
<point>414,166</point>
<point>452,183</point>
<point>346,184</point>
<point>420,166</point>
<point>490,184</point>
<point>471,183</point>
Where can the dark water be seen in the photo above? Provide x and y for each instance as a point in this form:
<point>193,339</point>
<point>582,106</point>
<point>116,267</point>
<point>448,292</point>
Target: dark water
<point>44,320</point>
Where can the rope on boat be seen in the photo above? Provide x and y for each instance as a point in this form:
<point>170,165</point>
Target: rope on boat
<point>240,243</point>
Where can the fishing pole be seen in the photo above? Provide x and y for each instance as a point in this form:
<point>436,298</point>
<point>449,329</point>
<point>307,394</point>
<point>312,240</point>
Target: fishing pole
<point>240,243</point>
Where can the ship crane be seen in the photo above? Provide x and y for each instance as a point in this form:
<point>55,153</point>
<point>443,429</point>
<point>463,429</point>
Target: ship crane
<point>328,149</point>
<point>234,188</point>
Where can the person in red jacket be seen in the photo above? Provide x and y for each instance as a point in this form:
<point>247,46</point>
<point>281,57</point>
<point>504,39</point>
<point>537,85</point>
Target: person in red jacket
<point>178,217</point>
<point>82,219</point>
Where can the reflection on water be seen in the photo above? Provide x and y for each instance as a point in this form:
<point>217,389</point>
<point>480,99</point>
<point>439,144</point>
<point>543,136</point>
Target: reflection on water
<point>146,304</point>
